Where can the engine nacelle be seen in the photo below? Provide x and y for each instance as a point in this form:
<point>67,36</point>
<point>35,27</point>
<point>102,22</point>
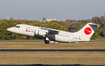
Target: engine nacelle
<point>41,32</point>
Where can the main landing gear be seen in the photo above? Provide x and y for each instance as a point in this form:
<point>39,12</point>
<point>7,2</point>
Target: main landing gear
<point>46,40</point>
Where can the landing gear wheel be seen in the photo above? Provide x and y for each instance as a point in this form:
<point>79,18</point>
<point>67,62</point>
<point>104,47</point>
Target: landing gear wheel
<point>46,42</point>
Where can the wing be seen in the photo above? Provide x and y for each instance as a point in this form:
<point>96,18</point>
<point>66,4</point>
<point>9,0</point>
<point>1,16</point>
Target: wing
<point>51,31</point>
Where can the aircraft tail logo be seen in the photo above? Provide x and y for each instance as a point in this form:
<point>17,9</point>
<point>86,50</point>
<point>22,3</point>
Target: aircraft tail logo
<point>87,30</point>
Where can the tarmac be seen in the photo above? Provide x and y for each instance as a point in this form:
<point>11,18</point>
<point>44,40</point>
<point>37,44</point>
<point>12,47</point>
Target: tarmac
<point>52,50</point>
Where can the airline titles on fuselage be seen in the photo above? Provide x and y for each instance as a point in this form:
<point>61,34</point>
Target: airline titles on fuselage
<point>29,30</point>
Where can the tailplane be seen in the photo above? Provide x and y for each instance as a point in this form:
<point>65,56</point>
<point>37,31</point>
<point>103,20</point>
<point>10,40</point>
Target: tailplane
<point>87,31</point>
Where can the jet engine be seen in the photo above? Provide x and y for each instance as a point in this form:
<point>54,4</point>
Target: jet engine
<point>41,32</point>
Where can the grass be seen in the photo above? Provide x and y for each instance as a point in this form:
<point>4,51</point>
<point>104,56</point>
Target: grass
<point>21,40</point>
<point>54,58</point>
<point>83,58</point>
<point>94,44</point>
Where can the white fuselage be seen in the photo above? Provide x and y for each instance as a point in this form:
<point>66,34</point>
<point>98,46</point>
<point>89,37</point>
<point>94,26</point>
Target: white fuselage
<point>84,34</point>
<point>35,31</point>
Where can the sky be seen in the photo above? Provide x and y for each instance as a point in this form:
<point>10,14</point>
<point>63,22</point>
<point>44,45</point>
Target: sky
<point>51,9</point>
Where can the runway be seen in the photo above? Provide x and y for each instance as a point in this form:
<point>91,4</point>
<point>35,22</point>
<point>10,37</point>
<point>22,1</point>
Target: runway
<point>53,65</point>
<point>52,50</point>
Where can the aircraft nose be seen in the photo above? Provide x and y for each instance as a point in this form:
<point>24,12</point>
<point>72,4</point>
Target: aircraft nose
<point>8,29</point>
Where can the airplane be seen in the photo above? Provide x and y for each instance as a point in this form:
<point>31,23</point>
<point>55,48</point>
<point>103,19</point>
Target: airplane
<point>48,34</point>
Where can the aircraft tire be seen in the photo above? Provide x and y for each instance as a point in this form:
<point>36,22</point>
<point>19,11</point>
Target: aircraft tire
<point>46,42</point>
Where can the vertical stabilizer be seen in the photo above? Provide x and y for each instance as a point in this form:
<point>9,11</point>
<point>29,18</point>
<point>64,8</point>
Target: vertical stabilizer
<point>87,31</point>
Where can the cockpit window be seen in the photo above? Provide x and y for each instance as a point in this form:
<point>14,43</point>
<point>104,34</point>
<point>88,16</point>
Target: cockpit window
<point>17,26</point>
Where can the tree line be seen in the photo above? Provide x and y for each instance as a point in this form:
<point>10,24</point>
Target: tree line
<point>67,25</point>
